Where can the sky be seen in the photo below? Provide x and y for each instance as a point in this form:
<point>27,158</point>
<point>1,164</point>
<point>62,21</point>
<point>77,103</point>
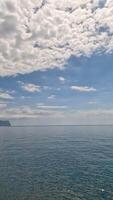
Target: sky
<point>56,62</point>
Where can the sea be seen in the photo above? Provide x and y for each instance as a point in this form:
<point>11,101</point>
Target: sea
<point>56,163</point>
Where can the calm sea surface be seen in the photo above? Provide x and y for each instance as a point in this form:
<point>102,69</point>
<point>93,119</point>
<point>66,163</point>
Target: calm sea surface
<point>56,163</point>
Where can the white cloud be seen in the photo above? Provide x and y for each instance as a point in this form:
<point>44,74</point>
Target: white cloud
<point>31,112</point>
<point>51,107</point>
<point>3,105</point>
<point>58,89</point>
<point>25,97</point>
<point>38,34</point>
<point>56,115</point>
<point>92,116</point>
<point>5,95</point>
<point>29,87</point>
<point>62,79</point>
<point>52,96</point>
<point>83,88</point>
<point>47,88</point>
<point>92,102</point>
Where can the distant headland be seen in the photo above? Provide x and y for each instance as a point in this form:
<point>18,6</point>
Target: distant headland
<point>5,123</point>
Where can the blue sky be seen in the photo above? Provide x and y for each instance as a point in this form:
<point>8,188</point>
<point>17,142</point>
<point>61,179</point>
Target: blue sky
<point>48,76</point>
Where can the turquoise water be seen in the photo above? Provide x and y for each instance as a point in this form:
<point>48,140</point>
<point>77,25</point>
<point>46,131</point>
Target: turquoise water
<point>56,163</point>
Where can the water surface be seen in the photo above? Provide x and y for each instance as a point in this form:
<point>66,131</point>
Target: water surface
<point>56,163</point>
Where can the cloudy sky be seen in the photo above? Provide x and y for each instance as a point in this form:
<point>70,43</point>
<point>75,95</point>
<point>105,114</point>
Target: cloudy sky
<point>56,61</point>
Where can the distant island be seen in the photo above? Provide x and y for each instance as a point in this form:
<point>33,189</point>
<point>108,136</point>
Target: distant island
<point>5,123</point>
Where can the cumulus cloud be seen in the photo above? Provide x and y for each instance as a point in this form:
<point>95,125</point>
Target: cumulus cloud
<point>41,34</point>
<point>62,79</point>
<point>5,95</point>
<point>83,88</point>
<point>29,87</point>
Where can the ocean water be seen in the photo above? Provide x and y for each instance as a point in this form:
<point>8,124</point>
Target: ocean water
<point>56,163</point>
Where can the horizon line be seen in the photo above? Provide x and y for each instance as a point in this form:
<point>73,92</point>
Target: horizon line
<point>61,125</point>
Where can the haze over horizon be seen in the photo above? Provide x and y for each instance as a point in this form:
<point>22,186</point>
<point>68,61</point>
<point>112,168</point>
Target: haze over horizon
<point>56,61</point>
